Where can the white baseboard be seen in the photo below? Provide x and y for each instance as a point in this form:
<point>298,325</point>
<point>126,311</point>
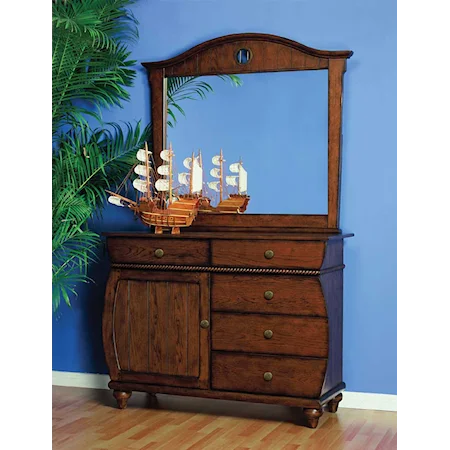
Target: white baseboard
<point>356,400</point>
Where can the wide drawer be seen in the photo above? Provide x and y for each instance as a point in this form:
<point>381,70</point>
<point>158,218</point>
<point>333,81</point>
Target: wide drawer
<point>255,333</point>
<point>268,294</point>
<point>266,253</point>
<point>158,251</point>
<point>280,375</point>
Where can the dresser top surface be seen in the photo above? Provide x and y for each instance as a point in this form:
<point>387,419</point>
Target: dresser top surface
<point>233,235</point>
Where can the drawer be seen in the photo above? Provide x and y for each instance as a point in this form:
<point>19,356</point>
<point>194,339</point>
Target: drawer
<point>143,251</point>
<point>300,296</point>
<point>302,336</point>
<point>289,376</point>
<point>266,253</point>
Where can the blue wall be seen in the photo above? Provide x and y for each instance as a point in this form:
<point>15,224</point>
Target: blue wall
<point>369,164</point>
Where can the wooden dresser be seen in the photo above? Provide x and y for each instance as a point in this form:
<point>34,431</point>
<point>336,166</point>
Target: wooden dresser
<point>230,316</point>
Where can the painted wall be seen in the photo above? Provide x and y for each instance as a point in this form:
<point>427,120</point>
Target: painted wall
<point>168,27</point>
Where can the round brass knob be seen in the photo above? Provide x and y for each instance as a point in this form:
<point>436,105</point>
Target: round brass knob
<point>268,334</point>
<point>204,324</point>
<point>268,254</point>
<point>268,295</point>
<point>159,252</point>
<point>268,376</point>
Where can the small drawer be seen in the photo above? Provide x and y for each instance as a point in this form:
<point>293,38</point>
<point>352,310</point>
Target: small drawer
<point>266,253</point>
<point>158,251</point>
<point>268,294</point>
<point>279,375</point>
<point>277,335</point>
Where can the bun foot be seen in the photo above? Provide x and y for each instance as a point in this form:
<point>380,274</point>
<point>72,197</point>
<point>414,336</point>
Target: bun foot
<point>122,398</point>
<point>334,403</point>
<point>312,416</point>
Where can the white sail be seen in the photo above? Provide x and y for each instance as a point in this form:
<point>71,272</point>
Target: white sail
<point>115,200</point>
<point>214,185</point>
<point>235,167</point>
<point>215,172</point>
<point>140,155</point>
<point>165,155</point>
<point>216,160</point>
<point>242,180</point>
<point>140,185</point>
<point>183,178</point>
<point>140,169</point>
<point>197,176</point>
<point>162,185</point>
<point>163,170</point>
<point>231,181</point>
<point>187,163</point>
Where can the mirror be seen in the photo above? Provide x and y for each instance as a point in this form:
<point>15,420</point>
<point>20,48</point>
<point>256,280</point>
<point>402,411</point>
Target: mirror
<point>276,123</point>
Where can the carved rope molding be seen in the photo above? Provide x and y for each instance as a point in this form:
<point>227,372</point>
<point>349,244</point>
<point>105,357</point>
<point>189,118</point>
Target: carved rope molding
<point>171,267</point>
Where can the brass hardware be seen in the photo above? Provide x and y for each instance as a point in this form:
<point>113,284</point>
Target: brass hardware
<point>268,295</point>
<point>268,376</point>
<point>268,334</point>
<point>204,324</point>
<point>268,254</point>
<point>159,252</point>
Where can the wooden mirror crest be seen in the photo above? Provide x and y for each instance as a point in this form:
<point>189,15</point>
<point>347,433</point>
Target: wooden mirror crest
<point>257,53</point>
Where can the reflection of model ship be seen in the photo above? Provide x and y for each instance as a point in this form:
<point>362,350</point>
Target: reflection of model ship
<point>158,206</point>
<point>235,203</point>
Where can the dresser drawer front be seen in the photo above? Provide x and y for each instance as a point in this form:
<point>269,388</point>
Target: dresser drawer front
<point>288,376</point>
<point>302,336</point>
<point>158,251</point>
<point>300,296</point>
<point>266,253</point>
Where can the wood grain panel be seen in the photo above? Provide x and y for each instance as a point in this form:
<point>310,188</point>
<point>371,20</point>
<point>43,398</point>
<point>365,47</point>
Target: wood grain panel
<point>245,293</point>
<point>177,331</point>
<point>291,376</point>
<point>138,327</point>
<point>249,253</point>
<point>142,251</point>
<point>301,336</point>
<point>121,334</point>
<point>193,328</point>
<point>158,326</point>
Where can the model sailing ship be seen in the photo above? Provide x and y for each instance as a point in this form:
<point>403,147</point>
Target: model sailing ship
<point>163,206</point>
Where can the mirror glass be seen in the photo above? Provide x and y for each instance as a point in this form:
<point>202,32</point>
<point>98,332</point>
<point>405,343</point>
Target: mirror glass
<point>275,123</point>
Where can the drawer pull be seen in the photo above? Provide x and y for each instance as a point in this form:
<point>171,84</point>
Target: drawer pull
<point>268,334</point>
<point>268,376</point>
<point>268,295</point>
<point>204,324</point>
<point>159,252</point>
<point>269,254</point>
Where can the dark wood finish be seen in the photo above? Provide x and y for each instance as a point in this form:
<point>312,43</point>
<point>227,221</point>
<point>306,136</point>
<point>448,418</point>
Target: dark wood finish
<point>334,403</point>
<point>135,250</point>
<point>287,254</point>
<point>302,336</point>
<point>268,54</point>
<point>300,377</point>
<point>312,416</point>
<point>335,78</point>
<point>245,293</point>
<point>282,346</point>
<point>121,398</point>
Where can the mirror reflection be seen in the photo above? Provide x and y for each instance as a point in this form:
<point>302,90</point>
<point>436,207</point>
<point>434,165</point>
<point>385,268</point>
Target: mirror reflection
<point>269,136</point>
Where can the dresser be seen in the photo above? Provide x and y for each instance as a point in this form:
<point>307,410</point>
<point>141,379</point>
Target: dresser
<point>244,307</point>
<point>233,316</point>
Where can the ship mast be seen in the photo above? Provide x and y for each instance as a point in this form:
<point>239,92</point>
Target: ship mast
<point>221,175</point>
<point>147,171</point>
<point>201,165</point>
<point>170,173</point>
<point>192,175</point>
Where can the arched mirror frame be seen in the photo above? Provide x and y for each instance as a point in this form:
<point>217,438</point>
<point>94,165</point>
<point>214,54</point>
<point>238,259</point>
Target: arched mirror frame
<point>266,53</point>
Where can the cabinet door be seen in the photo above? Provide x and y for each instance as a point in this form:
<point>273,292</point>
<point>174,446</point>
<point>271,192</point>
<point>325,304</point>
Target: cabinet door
<point>152,331</point>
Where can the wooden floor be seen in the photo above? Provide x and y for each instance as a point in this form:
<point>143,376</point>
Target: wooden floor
<point>86,419</point>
